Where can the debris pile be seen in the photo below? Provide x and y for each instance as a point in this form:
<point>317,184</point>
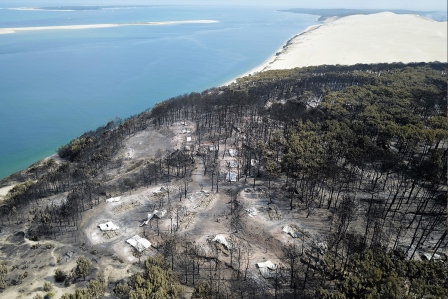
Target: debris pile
<point>222,240</point>
<point>322,247</point>
<point>231,176</point>
<point>252,212</point>
<point>274,213</point>
<point>233,152</point>
<point>292,230</point>
<point>233,163</point>
<point>156,213</point>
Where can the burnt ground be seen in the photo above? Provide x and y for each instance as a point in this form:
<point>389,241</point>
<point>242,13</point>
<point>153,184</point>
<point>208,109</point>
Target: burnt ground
<point>200,217</point>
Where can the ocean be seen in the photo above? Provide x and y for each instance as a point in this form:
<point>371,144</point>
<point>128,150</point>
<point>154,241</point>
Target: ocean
<point>57,84</point>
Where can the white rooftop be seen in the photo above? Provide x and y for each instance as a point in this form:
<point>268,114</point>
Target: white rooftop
<point>113,199</point>
<point>429,256</point>
<point>108,226</point>
<point>267,269</point>
<point>268,264</point>
<point>139,243</point>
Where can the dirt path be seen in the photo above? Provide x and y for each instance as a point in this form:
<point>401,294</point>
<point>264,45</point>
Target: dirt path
<point>197,175</point>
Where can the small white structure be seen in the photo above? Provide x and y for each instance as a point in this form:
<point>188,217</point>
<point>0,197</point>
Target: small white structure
<point>268,264</point>
<point>233,152</point>
<point>108,226</point>
<point>184,131</point>
<point>141,244</point>
<point>222,240</point>
<point>188,138</point>
<point>231,176</point>
<point>113,199</point>
<point>267,269</point>
<point>314,102</point>
<point>429,256</point>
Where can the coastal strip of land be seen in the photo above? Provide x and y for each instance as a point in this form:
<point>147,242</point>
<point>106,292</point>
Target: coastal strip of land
<point>37,9</point>
<point>95,26</point>
<point>377,38</point>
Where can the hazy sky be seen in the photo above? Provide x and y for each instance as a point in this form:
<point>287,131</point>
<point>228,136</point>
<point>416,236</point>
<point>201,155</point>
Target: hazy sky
<point>381,4</point>
<point>405,4</point>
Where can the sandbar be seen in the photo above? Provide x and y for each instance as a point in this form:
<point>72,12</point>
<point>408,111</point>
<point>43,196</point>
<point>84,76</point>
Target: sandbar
<point>95,26</point>
<point>377,38</point>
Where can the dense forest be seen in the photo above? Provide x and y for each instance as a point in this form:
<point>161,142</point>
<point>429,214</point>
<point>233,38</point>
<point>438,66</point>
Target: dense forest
<point>364,145</point>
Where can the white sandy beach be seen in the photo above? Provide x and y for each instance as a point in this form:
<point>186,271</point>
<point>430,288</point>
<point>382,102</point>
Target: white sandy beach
<point>377,38</point>
<point>5,190</point>
<point>93,26</point>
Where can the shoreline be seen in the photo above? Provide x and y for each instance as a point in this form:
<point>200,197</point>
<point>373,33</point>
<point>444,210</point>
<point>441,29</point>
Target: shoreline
<point>272,57</point>
<point>376,38</point>
<point>97,26</point>
<point>324,35</point>
<point>10,181</point>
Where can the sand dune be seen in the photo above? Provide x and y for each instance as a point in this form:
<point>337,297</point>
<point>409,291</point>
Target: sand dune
<point>377,38</point>
<point>93,26</point>
<point>4,191</point>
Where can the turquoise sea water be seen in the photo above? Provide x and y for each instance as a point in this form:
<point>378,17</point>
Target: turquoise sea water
<point>57,84</point>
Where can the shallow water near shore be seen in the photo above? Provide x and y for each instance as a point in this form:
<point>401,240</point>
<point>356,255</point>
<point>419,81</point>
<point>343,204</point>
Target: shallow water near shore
<point>57,84</point>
